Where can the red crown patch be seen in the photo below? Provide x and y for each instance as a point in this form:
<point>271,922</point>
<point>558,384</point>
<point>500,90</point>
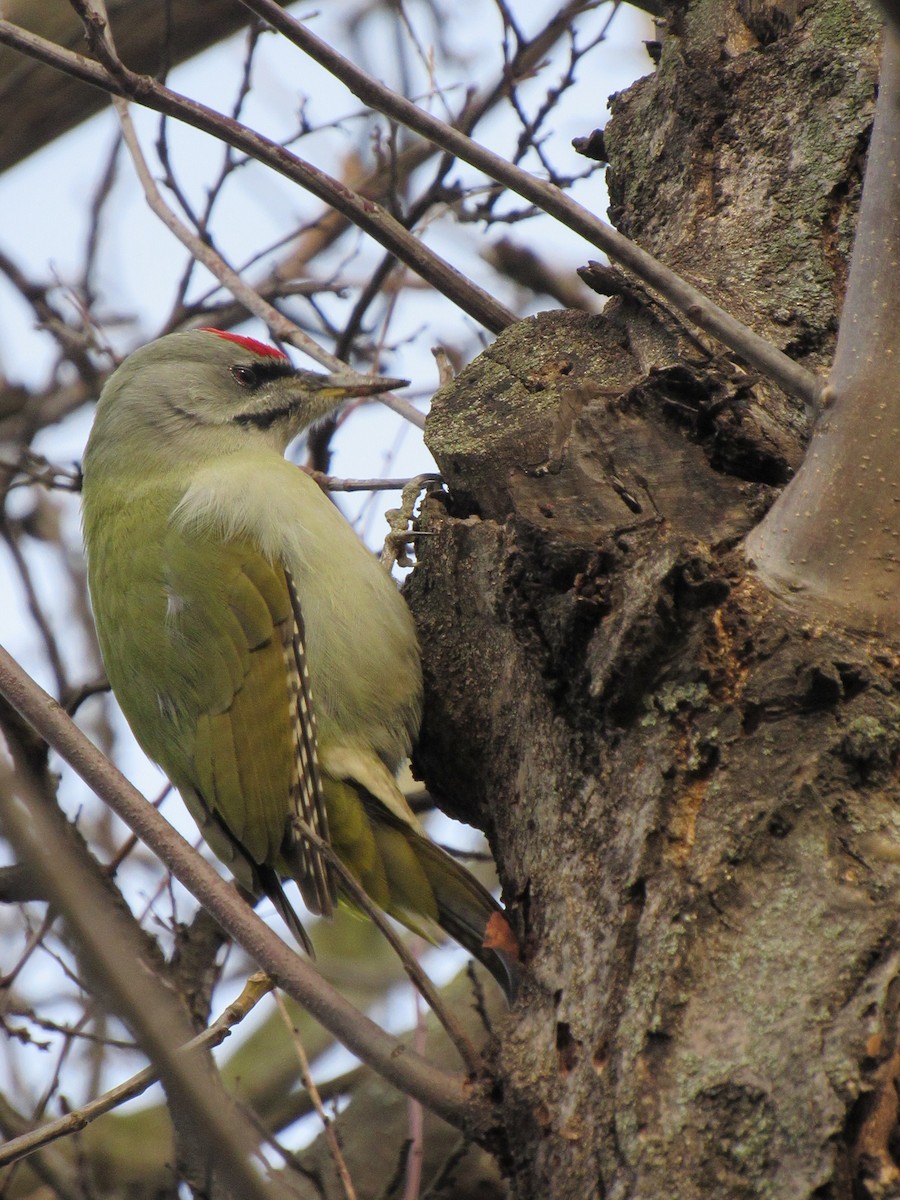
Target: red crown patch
<point>247,342</point>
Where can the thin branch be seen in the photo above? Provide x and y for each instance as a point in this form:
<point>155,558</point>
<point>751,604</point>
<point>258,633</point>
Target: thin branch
<point>333,483</point>
<point>256,987</point>
<point>37,469</point>
<point>73,343</point>
<point>282,327</point>
<point>92,249</point>
<point>366,214</point>
<point>60,1175</point>
<point>334,1148</point>
<point>294,1105</point>
<point>43,408</point>
<point>526,59</point>
<point>17,886</point>
<point>76,1032</point>
<point>35,939</point>
<point>51,646</point>
<point>439,1091</point>
<point>202,251</point>
<point>696,306</point>
<point>214,191</point>
<point>414,1159</point>
<point>528,56</point>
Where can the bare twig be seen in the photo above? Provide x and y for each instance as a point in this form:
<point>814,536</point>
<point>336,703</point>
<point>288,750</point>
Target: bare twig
<point>51,647</point>
<point>73,343</point>
<point>690,301</point>
<point>36,469</point>
<point>432,997</point>
<point>334,1148</point>
<point>50,1165</point>
<point>105,943</point>
<point>521,64</point>
<point>291,1107</point>
<point>366,214</point>
<point>229,163</point>
<point>414,1159</point>
<point>256,987</point>
<point>203,252</point>
<point>35,939</point>
<point>334,483</point>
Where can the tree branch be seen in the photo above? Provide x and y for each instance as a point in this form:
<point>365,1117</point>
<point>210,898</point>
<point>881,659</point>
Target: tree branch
<point>315,1097</point>
<point>256,987</point>
<point>34,110</point>
<point>201,251</point>
<point>524,62</point>
<point>417,976</point>
<point>824,541</point>
<point>106,947</point>
<point>366,214</point>
<point>696,306</point>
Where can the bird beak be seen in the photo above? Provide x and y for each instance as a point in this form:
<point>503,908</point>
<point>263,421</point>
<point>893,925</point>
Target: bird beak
<point>312,396</point>
<point>343,387</point>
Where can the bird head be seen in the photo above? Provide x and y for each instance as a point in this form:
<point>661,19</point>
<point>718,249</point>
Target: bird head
<point>209,382</point>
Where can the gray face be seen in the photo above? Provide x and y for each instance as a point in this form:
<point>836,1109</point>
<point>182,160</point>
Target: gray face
<point>175,392</point>
<point>200,378</point>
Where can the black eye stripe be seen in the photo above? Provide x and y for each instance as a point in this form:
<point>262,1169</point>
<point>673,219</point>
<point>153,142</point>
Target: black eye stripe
<point>253,375</point>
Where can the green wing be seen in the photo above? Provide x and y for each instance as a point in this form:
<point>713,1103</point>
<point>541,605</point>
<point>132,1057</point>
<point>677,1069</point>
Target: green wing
<point>247,745</point>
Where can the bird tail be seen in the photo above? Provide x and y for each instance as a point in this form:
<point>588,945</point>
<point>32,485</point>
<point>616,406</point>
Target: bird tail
<point>469,914</point>
<point>426,889</point>
<point>415,881</point>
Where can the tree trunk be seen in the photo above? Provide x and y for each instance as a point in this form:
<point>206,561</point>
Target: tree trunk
<point>691,791</point>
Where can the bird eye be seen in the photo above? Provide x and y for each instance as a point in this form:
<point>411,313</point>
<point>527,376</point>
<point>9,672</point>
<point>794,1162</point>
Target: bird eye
<point>245,376</point>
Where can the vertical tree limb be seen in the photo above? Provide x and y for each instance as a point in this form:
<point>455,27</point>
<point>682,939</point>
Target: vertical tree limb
<point>832,539</point>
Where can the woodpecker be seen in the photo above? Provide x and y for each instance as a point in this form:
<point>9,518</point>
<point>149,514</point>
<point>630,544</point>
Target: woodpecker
<point>259,652</point>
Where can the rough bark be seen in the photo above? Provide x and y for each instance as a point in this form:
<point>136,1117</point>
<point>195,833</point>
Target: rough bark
<point>740,161</point>
<point>691,792</point>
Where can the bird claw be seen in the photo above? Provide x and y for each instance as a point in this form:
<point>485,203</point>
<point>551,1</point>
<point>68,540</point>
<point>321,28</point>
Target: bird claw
<point>401,519</point>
